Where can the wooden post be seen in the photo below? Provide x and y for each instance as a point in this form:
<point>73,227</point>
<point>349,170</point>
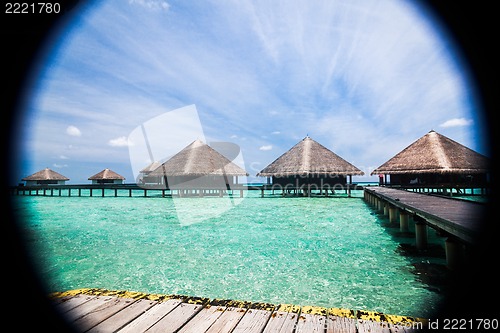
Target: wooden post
<point>403,221</point>
<point>380,205</point>
<point>349,186</point>
<point>420,233</point>
<point>392,214</point>
<point>455,253</point>
<point>102,192</point>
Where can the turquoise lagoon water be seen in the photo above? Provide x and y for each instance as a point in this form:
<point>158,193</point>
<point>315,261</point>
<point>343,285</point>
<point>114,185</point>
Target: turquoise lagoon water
<point>331,252</point>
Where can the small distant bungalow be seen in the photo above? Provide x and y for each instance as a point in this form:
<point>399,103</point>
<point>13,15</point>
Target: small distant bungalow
<point>45,177</point>
<point>435,160</point>
<point>197,167</point>
<point>310,166</point>
<point>107,176</point>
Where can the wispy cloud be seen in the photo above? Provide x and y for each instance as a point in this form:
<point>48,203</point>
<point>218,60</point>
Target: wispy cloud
<point>73,131</point>
<point>121,141</point>
<point>457,122</point>
<point>266,147</point>
<point>152,4</point>
<point>59,166</point>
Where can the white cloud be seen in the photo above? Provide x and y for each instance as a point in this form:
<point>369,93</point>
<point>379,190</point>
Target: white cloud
<point>73,131</point>
<point>152,4</point>
<point>266,147</point>
<point>276,132</point>
<point>63,157</point>
<point>121,141</point>
<point>457,122</point>
<point>59,166</point>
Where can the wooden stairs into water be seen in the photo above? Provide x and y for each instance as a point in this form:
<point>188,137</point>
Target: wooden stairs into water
<point>98,310</point>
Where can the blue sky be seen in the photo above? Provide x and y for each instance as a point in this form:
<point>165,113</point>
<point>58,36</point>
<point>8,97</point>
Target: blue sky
<point>363,78</point>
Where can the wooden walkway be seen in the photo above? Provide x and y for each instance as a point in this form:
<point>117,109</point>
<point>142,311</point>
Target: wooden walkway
<point>120,190</point>
<point>459,218</point>
<point>98,310</point>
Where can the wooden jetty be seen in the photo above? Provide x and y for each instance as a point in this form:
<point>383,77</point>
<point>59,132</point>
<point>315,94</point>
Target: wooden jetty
<point>460,220</point>
<point>130,190</point>
<point>99,310</point>
<point>118,190</point>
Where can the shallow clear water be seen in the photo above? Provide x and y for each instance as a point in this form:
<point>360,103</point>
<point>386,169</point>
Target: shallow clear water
<point>331,252</point>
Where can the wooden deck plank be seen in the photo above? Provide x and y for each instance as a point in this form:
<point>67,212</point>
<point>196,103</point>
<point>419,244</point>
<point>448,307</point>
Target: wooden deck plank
<point>228,320</point>
<point>87,307</point>
<point>311,323</point>
<point>124,312</point>
<point>175,319</point>
<point>253,321</point>
<point>151,316</point>
<point>202,321</point>
<point>335,324</point>
<point>289,323</point>
<point>70,302</point>
<point>123,317</point>
<point>283,319</point>
<point>370,326</point>
<point>108,307</point>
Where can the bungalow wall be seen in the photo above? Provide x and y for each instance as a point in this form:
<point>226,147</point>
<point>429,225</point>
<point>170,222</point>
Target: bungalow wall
<point>200,182</point>
<point>469,180</point>
<point>45,182</point>
<point>107,181</point>
<point>297,181</point>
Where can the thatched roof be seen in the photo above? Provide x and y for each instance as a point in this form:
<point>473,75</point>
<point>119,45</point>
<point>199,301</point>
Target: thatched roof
<point>435,153</point>
<point>308,157</point>
<point>151,167</point>
<point>198,159</point>
<point>106,174</point>
<point>45,174</point>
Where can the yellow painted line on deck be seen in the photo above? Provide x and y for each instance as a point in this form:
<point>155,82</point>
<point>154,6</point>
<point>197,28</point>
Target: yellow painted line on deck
<point>392,319</point>
<point>289,308</point>
<point>315,310</point>
<point>341,312</point>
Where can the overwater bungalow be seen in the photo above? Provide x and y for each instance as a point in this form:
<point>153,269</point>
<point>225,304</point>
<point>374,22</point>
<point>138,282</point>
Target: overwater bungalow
<point>45,177</point>
<point>435,160</point>
<point>309,166</point>
<point>107,176</point>
<point>198,167</point>
<point>145,177</point>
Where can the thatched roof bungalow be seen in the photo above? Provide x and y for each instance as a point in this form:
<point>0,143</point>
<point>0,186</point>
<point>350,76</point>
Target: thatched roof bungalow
<point>198,166</point>
<point>107,176</point>
<point>45,177</point>
<point>145,174</point>
<point>310,163</point>
<point>435,159</point>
